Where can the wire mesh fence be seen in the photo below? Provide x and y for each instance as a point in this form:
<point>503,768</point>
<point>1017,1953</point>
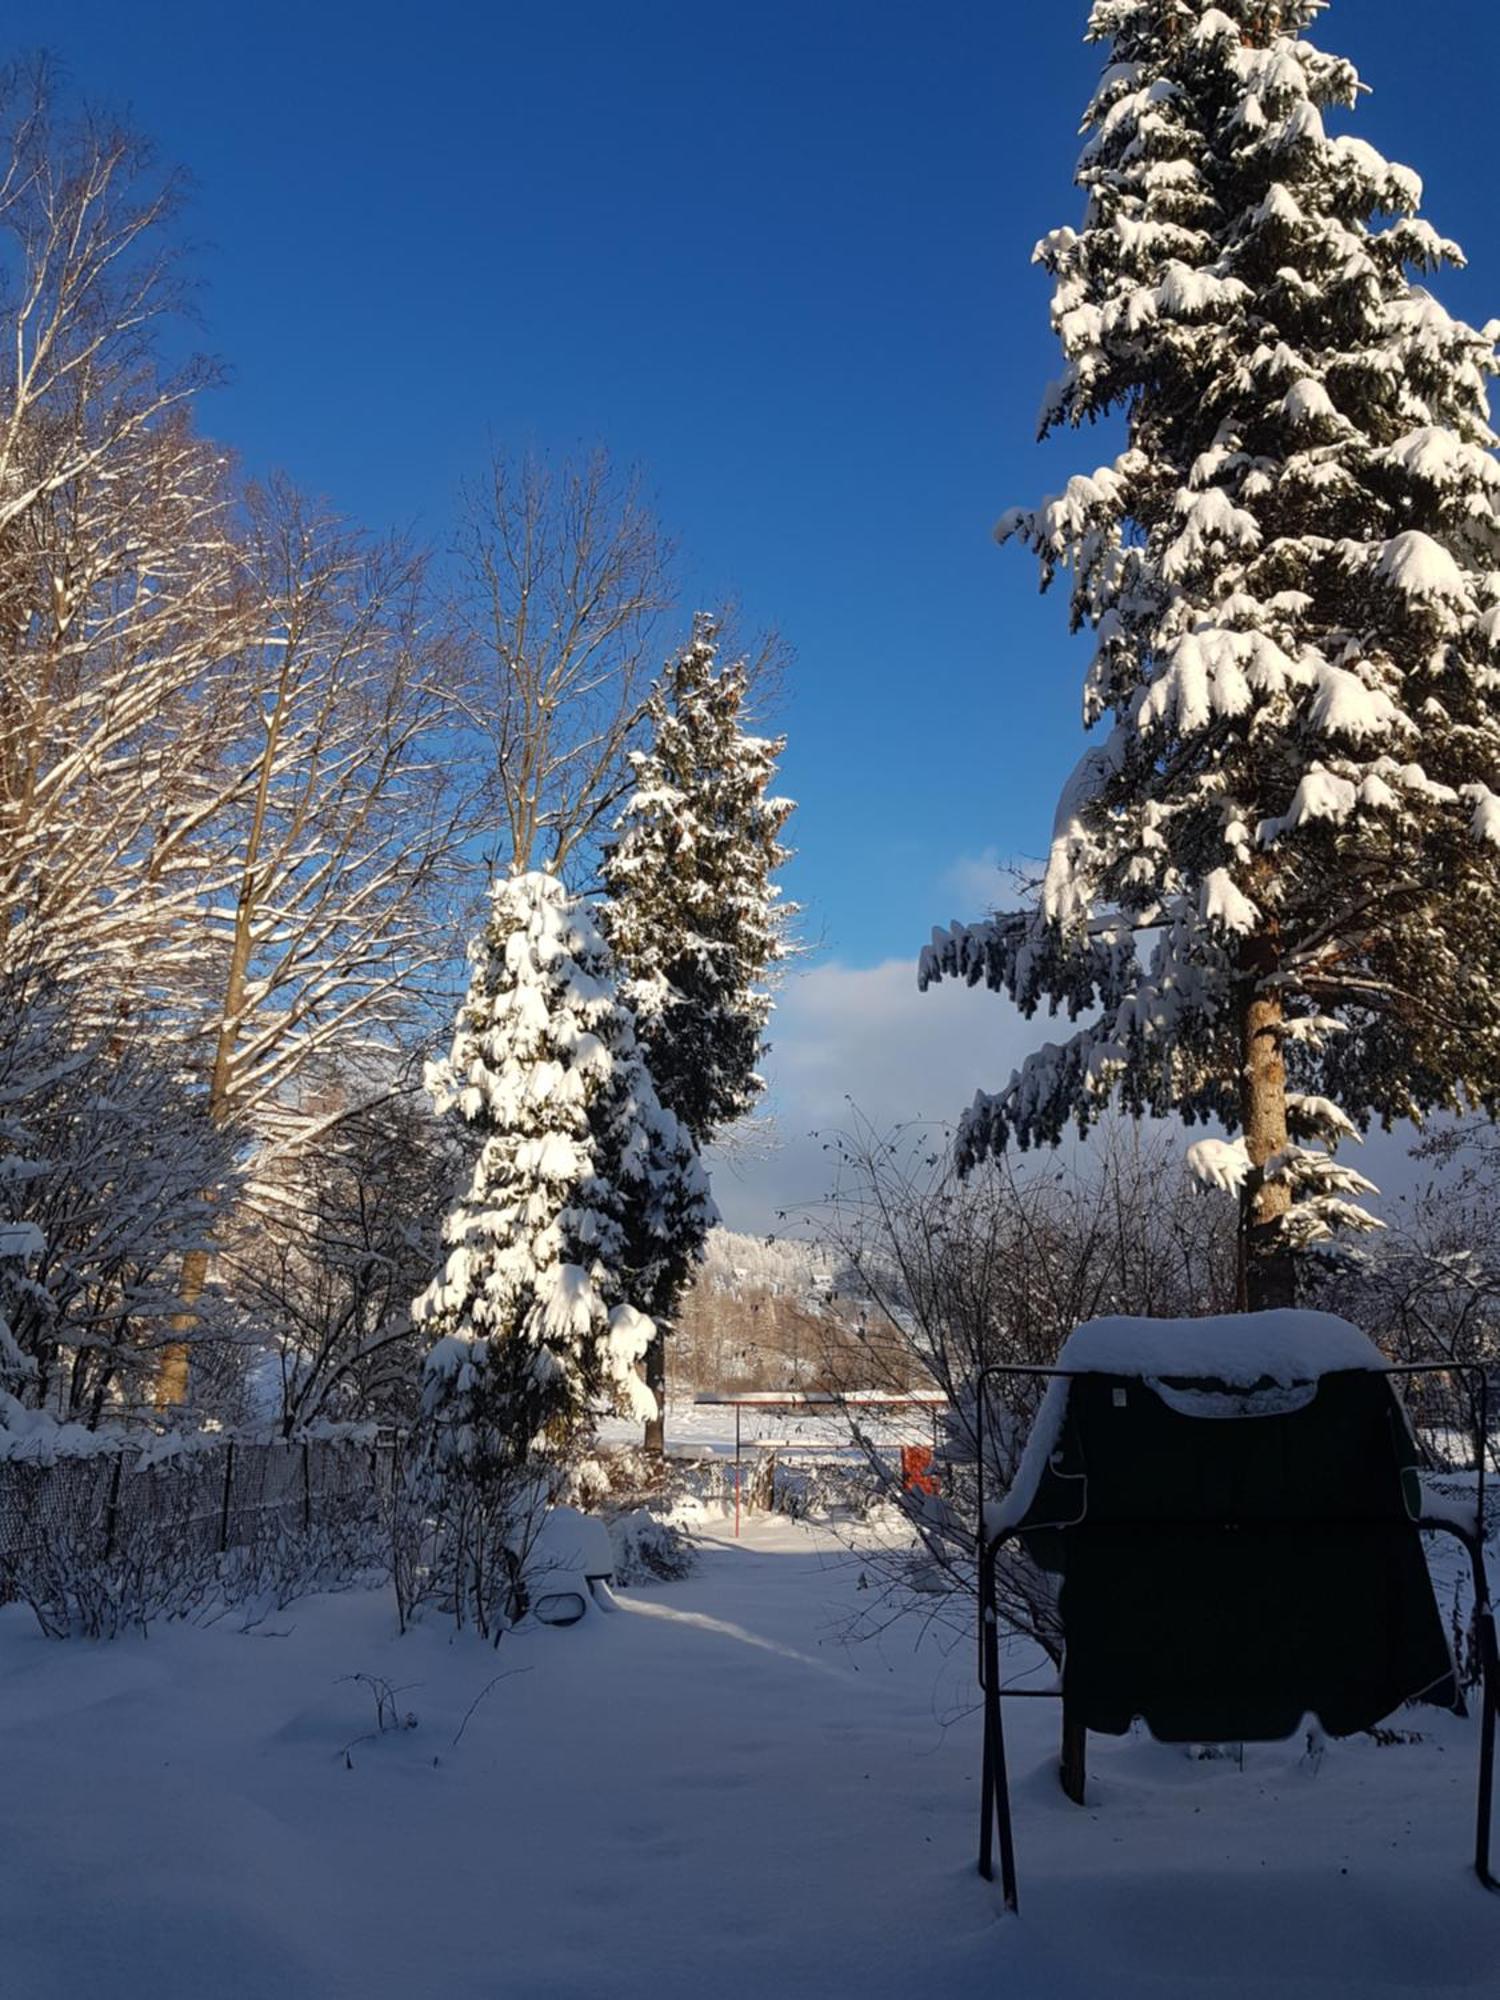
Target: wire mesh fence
<point>96,1541</point>
<point>1454,1413</point>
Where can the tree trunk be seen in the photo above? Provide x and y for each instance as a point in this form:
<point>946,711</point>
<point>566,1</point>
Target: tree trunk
<point>174,1369</point>
<point>656,1382</point>
<point>1266,1273</point>
<point>169,1390</point>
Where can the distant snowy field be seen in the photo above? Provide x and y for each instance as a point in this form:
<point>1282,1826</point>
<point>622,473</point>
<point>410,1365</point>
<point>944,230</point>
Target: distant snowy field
<point>709,1429</point>
<point>715,1793</point>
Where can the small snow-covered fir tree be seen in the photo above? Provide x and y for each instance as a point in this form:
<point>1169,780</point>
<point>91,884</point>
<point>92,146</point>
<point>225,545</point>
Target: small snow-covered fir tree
<point>1271,893</point>
<point>692,912</point>
<point>585,1194</point>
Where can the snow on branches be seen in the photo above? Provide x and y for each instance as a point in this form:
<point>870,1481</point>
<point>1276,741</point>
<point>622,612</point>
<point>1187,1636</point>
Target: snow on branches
<point>584,1195</point>
<point>1277,860</point>
<point>693,914</point>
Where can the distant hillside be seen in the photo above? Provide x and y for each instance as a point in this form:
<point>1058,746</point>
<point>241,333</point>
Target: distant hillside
<point>772,1313</point>
<point>781,1265</point>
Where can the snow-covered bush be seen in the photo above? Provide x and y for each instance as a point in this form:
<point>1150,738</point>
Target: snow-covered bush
<point>648,1549</point>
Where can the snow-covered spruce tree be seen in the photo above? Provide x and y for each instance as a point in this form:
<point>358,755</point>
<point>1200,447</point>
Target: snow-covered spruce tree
<point>693,915</point>
<point>585,1198</point>
<point>691,909</point>
<point>1271,893</point>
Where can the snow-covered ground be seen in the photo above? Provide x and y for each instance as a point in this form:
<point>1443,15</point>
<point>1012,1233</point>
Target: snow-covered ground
<point>708,1429</point>
<point>715,1792</point>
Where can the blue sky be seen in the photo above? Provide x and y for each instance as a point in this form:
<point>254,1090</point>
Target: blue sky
<point>780,257</point>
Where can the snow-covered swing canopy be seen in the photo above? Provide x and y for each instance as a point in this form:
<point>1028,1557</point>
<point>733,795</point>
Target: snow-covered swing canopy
<point>1232,1508</point>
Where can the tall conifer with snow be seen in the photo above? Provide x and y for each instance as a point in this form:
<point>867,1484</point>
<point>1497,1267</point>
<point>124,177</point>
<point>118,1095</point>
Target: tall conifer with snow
<point>582,1198</point>
<point>1271,893</point>
<point>692,912</point>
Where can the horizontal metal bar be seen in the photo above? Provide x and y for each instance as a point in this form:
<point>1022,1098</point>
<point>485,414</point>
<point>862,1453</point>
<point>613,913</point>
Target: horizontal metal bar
<point>826,1399</point>
<point>1280,1522</point>
<point>1205,1375</point>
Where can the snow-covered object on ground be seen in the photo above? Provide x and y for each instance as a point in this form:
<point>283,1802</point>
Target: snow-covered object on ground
<point>570,1540</point>
<point>584,1190</point>
<point>693,914</point>
<point>1292,575</point>
<point>1239,1350</point>
<point>38,1436</point>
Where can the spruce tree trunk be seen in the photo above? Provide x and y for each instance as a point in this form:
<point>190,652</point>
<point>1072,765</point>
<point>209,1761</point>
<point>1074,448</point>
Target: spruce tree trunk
<point>656,1382</point>
<point>1266,1273</point>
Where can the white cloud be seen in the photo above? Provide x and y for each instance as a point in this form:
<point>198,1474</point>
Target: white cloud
<point>863,1037</point>
<point>977,883</point>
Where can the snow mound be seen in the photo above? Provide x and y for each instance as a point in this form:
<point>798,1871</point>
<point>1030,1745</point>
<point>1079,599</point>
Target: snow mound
<point>572,1541</point>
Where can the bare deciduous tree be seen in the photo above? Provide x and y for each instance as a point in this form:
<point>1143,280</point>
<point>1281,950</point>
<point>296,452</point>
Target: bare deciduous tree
<point>998,1268</point>
<point>346,825</point>
<point>88,268</point>
<point>332,1242</point>
<point>564,579</point>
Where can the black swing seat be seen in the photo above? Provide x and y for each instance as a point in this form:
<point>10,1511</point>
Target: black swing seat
<point>1233,1510</point>
<point>1233,1560</point>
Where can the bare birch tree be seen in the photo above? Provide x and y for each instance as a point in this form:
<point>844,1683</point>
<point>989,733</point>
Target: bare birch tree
<point>337,858</point>
<point>336,1239</point>
<point>88,268</point>
<point>117,574</point>
<point>564,578</point>
<point>227,802</point>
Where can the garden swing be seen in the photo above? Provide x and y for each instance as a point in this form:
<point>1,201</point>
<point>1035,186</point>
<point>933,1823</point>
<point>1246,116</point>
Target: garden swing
<point>1232,1509</point>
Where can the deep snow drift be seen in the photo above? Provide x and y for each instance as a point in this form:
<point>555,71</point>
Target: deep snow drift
<point>714,1792</point>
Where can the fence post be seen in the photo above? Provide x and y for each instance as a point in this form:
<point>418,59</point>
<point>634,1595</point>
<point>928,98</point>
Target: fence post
<point>224,1509</point>
<point>112,1506</point>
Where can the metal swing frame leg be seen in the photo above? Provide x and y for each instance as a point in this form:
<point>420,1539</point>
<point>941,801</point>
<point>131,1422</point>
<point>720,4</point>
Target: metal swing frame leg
<point>1489,1695</point>
<point>995,1782</point>
<point>1489,1657</point>
<point>1487,1752</point>
<point>1484,1635</point>
<point>1489,1669</point>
